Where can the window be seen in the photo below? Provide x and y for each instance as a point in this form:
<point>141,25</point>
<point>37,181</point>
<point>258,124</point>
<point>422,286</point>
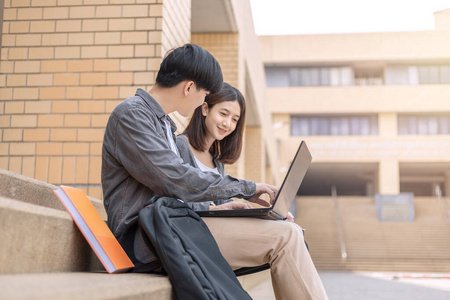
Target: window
<point>398,75</point>
<point>308,76</point>
<point>334,125</point>
<point>285,76</point>
<point>369,74</point>
<point>277,77</point>
<point>445,74</point>
<point>423,125</point>
<point>413,75</point>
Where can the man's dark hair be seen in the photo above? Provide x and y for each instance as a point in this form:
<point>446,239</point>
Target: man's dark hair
<point>228,150</point>
<point>190,62</point>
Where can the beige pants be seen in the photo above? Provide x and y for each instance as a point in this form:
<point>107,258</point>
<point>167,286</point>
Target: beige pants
<point>249,242</point>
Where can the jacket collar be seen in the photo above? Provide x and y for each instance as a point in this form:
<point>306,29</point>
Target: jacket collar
<point>157,109</point>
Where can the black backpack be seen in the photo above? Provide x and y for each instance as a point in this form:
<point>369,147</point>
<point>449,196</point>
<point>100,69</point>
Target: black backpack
<point>188,252</point>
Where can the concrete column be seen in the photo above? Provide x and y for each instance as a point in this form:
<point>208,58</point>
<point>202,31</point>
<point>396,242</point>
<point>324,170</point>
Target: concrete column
<point>387,125</point>
<point>370,188</point>
<point>255,154</point>
<point>447,184</point>
<point>281,126</point>
<point>389,176</point>
<point>239,166</point>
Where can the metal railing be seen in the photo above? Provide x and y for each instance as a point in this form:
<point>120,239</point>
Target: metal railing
<point>337,215</point>
<point>443,200</point>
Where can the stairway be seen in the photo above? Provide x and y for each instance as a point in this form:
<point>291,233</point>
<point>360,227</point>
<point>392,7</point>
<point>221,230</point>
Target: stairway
<point>43,255</point>
<point>418,246</point>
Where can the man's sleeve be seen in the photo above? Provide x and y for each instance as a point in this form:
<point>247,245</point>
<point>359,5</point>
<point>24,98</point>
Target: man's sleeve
<point>145,153</point>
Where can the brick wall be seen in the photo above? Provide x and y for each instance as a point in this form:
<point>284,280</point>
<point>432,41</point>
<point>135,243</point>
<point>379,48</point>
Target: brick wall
<point>225,48</point>
<point>65,64</point>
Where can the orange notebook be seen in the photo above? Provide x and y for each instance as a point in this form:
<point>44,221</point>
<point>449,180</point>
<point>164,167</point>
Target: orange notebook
<point>94,229</point>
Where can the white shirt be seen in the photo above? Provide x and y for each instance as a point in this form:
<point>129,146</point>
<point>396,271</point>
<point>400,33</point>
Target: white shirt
<point>172,145</point>
<point>170,138</point>
<point>205,168</point>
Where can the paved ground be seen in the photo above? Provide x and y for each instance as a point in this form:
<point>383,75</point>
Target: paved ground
<point>374,286</point>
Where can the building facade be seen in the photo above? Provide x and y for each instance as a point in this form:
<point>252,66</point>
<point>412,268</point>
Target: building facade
<point>373,107</point>
<point>65,65</point>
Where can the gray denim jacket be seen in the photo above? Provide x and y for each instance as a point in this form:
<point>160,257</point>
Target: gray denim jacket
<point>137,163</point>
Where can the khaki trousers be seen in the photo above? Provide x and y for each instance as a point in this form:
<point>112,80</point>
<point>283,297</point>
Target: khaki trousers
<point>249,242</point>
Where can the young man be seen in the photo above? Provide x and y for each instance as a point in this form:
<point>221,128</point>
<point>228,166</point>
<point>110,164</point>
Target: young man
<point>140,160</point>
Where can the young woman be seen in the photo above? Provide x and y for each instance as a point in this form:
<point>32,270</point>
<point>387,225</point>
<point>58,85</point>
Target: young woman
<point>213,138</point>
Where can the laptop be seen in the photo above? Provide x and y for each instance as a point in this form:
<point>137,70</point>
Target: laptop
<point>286,194</point>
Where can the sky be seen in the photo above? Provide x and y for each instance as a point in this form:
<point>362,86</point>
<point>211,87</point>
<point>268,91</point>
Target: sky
<point>343,16</point>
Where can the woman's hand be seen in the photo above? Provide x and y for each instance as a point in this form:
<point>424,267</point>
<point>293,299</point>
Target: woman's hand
<point>261,189</point>
<point>231,205</point>
<point>289,217</point>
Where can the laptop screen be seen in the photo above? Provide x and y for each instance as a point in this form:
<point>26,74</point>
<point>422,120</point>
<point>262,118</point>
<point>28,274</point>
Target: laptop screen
<point>293,180</point>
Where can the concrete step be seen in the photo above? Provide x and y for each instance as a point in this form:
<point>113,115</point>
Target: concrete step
<point>82,286</point>
<point>43,255</point>
<point>96,286</point>
<point>25,189</point>
<point>35,238</point>
<point>37,233</point>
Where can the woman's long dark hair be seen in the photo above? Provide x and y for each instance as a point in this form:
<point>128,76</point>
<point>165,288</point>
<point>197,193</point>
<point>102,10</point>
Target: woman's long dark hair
<point>228,150</point>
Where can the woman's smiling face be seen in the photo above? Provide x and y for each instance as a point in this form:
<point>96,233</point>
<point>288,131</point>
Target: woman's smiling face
<point>221,119</point>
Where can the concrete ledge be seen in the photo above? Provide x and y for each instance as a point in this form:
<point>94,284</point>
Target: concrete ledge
<point>25,189</point>
<point>82,286</point>
<point>250,281</point>
<point>41,239</point>
<point>74,286</point>
<point>36,239</point>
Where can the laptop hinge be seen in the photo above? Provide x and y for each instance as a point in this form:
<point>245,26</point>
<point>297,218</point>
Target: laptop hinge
<point>277,215</point>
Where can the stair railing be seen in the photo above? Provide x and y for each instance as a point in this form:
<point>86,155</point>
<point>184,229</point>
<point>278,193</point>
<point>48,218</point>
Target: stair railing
<point>338,223</point>
<point>443,200</point>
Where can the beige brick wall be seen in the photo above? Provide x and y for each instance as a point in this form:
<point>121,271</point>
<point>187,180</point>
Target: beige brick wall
<point>64,66</point>
<point>225,48</point>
